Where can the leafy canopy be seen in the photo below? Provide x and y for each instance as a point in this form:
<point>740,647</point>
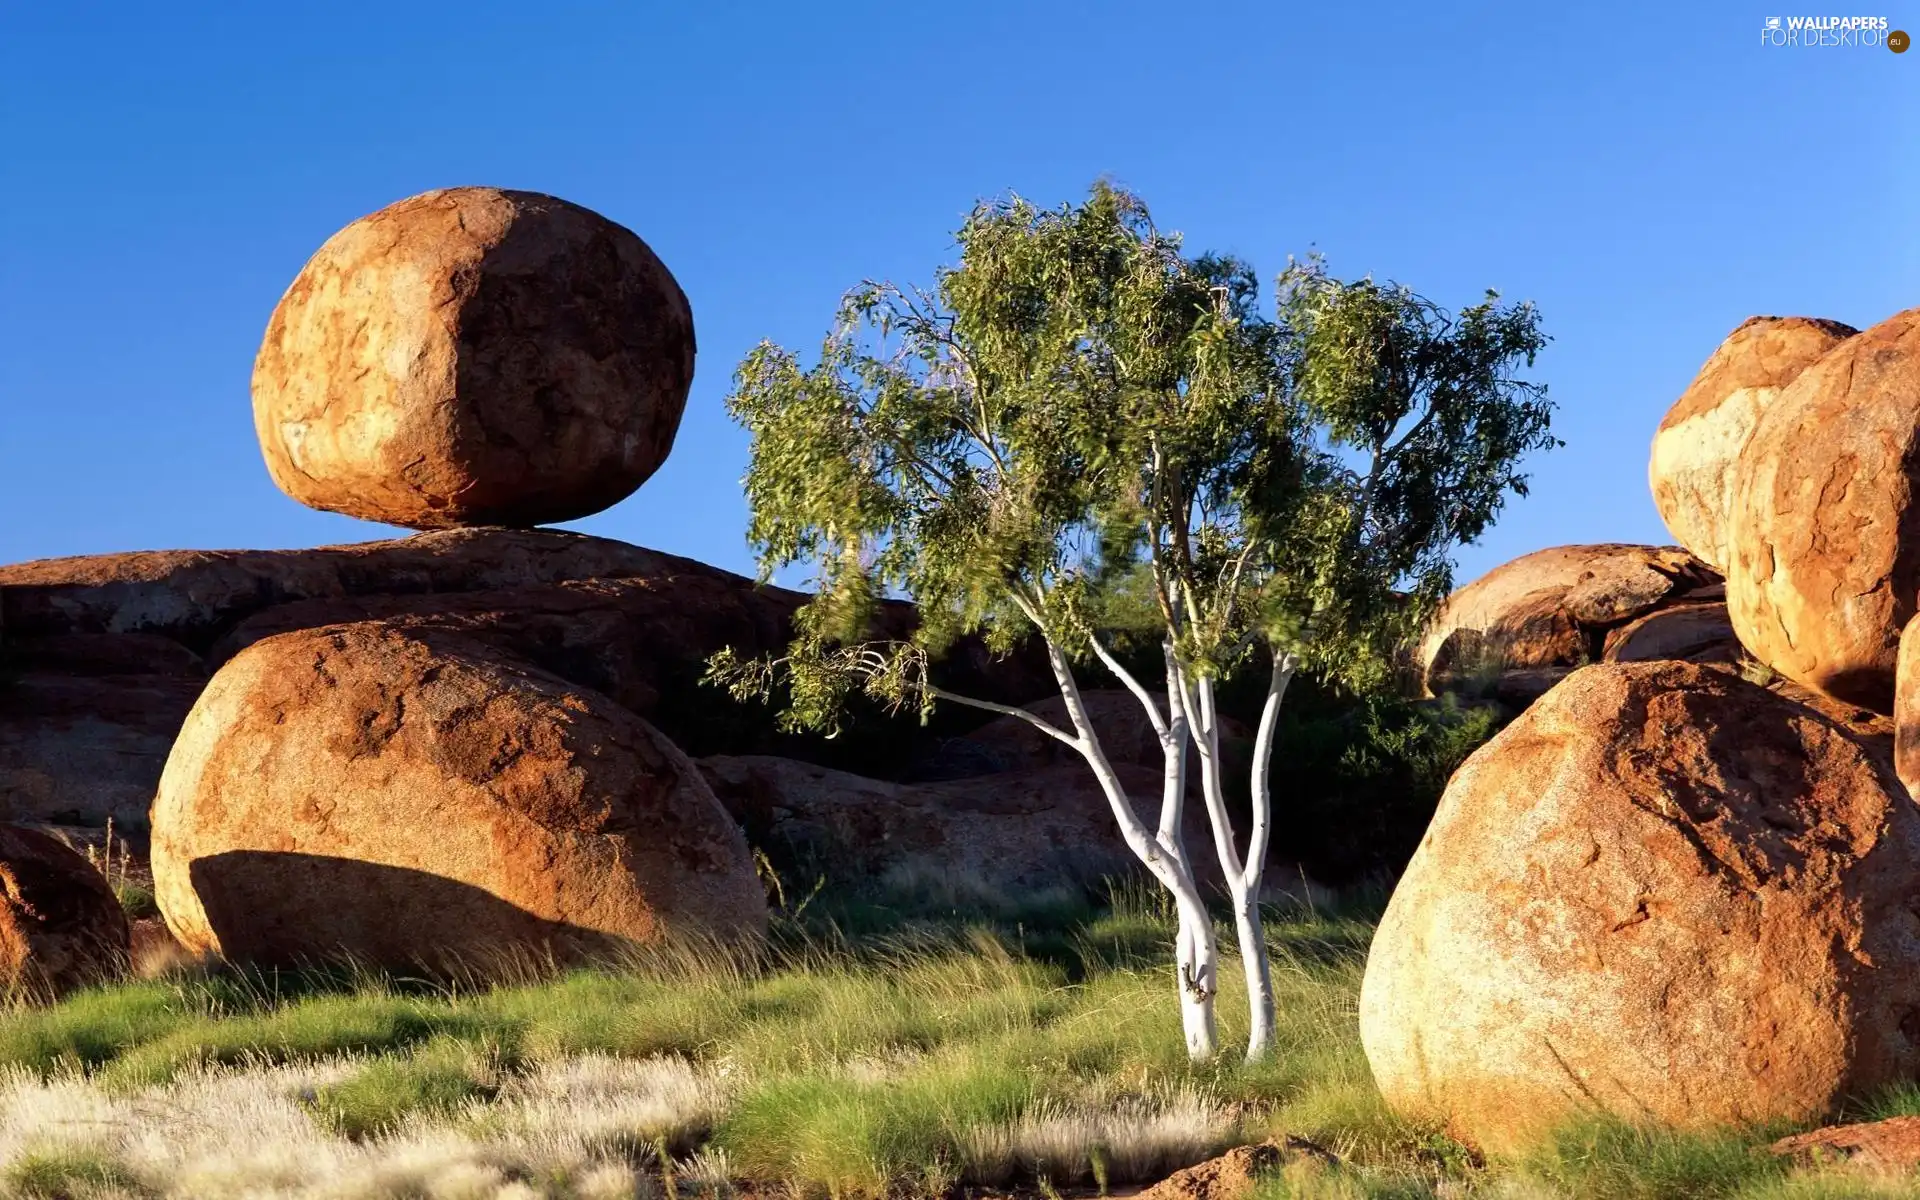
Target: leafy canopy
<point>1079,419</point>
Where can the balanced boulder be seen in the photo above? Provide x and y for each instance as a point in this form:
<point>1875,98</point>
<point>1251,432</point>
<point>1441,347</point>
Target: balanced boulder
<point>61,926</point>
<point>474,356</point>
<point>1824,527</point>
<point>406,797</point>
<point>1691,469</point>
<point>1520,628</point>
<point>1662,893</point>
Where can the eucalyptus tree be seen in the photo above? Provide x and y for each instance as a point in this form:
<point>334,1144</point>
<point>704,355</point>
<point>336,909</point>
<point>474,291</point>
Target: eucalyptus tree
<point>1078,405</point>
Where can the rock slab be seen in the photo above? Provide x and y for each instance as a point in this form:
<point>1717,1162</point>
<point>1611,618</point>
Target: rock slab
<point>1016,832</point>
<point>1888,1147</point>
<point>1520,628</point>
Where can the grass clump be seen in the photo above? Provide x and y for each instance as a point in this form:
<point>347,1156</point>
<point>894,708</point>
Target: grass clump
<point>65,1173</point>
<point>1608,1159</point>
<point>438,1078</point>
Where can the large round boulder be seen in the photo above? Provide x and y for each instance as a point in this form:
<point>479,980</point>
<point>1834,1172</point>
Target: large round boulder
<point>1824,527</point>
<point>61,926</point>
<point>1662,893</point>
<point>1691,469</point>
<point>412,796</point>
<point>474,356</point>
<point>1520,628</point>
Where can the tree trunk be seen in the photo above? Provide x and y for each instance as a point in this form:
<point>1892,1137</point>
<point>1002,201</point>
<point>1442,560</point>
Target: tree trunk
<point>1197,974</point>
<point>1261,1012</point>
<point>1197,969</point>
<point>1244,880</point>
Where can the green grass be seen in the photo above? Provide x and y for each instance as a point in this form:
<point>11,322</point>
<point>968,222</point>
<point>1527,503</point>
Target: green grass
<point>879,1050</point>
<point>439,1077</point>
<point>136,899</point>
<point>62,1174</point>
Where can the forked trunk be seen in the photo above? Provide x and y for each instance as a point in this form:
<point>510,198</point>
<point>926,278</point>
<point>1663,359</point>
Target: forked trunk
<point>1161,851</point>
<point>1244,878</point>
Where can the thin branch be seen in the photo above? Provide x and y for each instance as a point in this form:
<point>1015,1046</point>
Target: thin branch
<point>1133,685</point>
<point>1040,723</point>
<point>1207,742</point>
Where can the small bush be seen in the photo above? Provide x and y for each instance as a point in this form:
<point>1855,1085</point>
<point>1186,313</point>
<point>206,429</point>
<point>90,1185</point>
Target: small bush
<point>1355,784</point>
<point>136,900</point>
<point>439,1077</point>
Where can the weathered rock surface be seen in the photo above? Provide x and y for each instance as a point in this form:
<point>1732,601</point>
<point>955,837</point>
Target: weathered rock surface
<point>1906,709</point>
<point>1824,528</point>
<point>1890,1147</point>
<point>60,925</point>
<point>474,356</point>
<point>104,653</point>
<point>410,796</point>
<point>109,649</point>
<point>83,749</point>
<point>1520,628</point>
<point>193,597</point>
<point>1691,469</point>
<point>1018,831</point>
<point>645,642</point>
<point>1664,893</point>
<point>1235,1174</point>
<point>1683,633</point>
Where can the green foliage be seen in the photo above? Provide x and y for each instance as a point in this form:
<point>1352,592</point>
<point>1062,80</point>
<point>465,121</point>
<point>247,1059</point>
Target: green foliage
<point>136,899</point>
<point>1079,418</point>
<point>1611,1160</point>
<point>1356,782</point>
<point>936,1055</point>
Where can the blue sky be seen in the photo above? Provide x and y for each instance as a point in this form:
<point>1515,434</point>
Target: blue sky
<point>1650,175</point>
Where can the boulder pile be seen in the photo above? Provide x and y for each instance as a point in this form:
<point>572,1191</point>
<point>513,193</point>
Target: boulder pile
<point>477,743</point>
<point>1678,886</point>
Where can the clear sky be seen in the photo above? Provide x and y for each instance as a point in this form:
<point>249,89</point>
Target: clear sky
<point>1649,174</point>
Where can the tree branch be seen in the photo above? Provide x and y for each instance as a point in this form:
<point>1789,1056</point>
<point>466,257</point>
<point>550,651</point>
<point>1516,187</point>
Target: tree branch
<point>1133,685</point>
<point>1042,724</point>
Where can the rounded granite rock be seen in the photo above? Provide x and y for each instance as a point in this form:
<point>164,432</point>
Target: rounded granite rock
<point>404,797</point>
<point>1823,532</point>
<point>474,356</point>
<point>1662,894</point>
<point>1691,467</point>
